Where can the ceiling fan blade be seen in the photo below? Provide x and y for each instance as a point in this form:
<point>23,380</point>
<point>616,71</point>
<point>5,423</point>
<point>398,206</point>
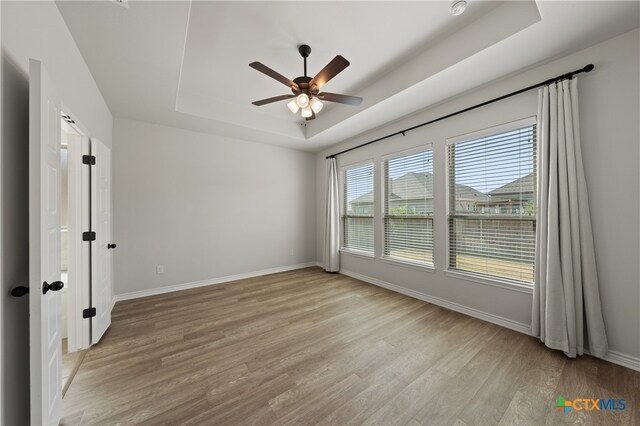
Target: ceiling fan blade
<point>332,69</point>
<point>341,99</point>
<point>271,73</point>
<point>274,99</point>
<point>313,116</point>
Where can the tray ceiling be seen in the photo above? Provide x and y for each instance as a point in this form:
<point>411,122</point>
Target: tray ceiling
<point>185,64</point>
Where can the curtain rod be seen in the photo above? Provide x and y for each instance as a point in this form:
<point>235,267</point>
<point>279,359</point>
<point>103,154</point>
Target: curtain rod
<point>586,68</point>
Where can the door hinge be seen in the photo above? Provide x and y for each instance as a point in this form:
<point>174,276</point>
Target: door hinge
<point>89,313</point>
<point>89,159</point>
<point>89,236</point>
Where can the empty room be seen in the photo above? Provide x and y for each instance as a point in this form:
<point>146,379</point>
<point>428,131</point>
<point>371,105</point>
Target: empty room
<point>319,212</point>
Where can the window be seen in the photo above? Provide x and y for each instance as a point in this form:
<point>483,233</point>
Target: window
<point>408,207</point>
<point>358,215</point>
<point>492,211</point>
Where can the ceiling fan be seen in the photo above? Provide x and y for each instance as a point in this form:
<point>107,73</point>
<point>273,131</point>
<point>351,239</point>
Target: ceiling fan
<point>306,90</point>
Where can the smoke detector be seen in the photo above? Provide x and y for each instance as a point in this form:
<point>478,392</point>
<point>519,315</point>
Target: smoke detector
<point>458,7</point>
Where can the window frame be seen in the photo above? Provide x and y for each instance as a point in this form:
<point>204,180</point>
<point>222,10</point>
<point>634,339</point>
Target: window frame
<point>343,208</point>
<point>479,277</point>
<point>383,185</point>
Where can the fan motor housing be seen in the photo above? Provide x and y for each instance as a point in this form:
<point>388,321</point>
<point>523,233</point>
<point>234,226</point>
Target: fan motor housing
<point>303,84</point>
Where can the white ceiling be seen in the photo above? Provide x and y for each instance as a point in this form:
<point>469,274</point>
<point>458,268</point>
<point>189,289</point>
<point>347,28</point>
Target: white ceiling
<point>185,64</point>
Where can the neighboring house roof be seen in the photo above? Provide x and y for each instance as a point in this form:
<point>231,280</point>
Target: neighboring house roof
<point>365,198</point>
<point>411,186</point>
<point>515,189</point>
<point>416,186</point>
<point>464,192</point>
<point>368,198</point>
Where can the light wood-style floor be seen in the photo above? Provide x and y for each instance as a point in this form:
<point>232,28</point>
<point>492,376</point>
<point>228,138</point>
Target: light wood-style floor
<point>70,364</point>
<point>306,347</point>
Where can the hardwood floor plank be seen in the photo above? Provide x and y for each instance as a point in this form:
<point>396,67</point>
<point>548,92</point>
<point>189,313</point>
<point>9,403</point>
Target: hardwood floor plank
<point>306,347</point>
<point>402,408</point>
<point>490,402</point>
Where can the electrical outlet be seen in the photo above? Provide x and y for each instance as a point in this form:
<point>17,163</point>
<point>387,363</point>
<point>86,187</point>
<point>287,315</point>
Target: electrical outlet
<point>160,269</point>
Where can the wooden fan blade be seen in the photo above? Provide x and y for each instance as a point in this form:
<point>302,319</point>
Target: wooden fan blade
<point>332,69</point>
<point>271,73</point>
<point>341,99</point>
<point>274,99</point>
<point>313,116</point>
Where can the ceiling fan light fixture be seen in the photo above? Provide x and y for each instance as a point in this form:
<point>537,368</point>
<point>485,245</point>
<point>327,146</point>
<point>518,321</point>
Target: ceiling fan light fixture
<point>302,100</point>
<point>316,105</point>
<point>307,112</point>
<point>293,106</point>
<point>305,88</point>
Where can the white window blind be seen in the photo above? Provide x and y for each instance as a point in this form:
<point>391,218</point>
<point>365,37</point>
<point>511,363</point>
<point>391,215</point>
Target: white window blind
<point>492,211</point>
<point>358,214</point>
<point>408,207</point>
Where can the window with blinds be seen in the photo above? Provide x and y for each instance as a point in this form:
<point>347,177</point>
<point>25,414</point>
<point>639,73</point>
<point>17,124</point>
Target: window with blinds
<point>492,210</point>
<point>358,211</point>
<point>408,207</point>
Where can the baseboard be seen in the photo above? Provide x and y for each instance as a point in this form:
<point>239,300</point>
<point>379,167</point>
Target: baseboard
<point>485,316</point>
<point>623,360</point>
<point>614,357</point>
<point>212,281</point>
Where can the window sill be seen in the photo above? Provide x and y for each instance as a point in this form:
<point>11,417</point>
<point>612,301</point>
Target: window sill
<point>494,282</point>
<point>358,253</point>
<point>408,264</point>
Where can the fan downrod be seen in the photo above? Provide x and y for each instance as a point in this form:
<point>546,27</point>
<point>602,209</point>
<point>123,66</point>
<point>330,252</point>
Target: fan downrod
<point>305,51</point>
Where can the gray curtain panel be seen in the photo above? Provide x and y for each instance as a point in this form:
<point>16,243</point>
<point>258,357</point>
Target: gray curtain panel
<point>566,298</point>
<point>332,219</point>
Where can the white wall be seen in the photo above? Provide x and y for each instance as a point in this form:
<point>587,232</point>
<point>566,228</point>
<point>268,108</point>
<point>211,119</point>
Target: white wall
<point>609,108</point>
<point>32,30</point>
<point>206,207</point>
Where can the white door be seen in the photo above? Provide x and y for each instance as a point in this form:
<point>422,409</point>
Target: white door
<point>79,268</point>
<point>44,249</point>
<point>102,248</point>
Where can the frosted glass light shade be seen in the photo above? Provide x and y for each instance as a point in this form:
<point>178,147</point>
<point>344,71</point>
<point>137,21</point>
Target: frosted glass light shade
<point>293,106</point>
<point>302,100</point>
<point>315,105</point>
<point>306,112</point>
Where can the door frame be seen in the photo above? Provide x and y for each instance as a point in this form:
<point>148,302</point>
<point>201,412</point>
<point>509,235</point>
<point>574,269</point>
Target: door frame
<point>2,348</point>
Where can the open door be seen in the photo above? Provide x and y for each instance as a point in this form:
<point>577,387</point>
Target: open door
<point>79,267</point>
<point>44,249</point>
<point>102,248</point>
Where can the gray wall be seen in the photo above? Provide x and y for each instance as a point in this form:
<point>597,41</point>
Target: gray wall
<point>609,109</point>
<point>32,30</point>
<point>206,207</point>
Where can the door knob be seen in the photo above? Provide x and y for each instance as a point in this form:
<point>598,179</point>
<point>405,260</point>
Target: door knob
<point>54,286</point>
<point>110,246</point>
<point>19,291</point>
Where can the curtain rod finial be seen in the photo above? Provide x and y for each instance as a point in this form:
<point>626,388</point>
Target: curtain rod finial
<point>588,68</point>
